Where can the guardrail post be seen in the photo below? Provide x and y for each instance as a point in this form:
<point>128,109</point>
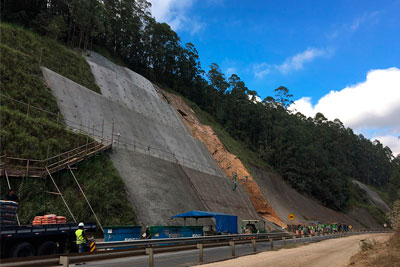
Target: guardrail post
<point>304,240</point>
<point>310,238</point>
<point>232,244</point>
<point>271,242</point>
<point>149,251</point>
<point>64,261</point>
<point>284,241</point>
<point>253,241</point>
<point>294,239</point>
<point>200,247</point>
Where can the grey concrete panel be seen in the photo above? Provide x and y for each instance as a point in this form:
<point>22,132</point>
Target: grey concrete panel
<point>123,72</point>
<point>137,131</point>
<point>157,188</point>
<point>217,194</point>
<point>121,89</point>
<point>373,196</point>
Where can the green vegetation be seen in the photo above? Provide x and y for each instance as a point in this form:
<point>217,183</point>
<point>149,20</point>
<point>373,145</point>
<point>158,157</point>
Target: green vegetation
<point>34,138</point>
<point>27,132</point>
<point>99,180</point>
<point>39,51</point>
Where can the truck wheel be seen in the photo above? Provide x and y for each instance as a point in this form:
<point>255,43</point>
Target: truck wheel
<point>47,248</point>
<point>23,249</point>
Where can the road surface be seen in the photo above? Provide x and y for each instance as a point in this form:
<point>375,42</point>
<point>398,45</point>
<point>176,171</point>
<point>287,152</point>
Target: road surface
<point>348,246</point>
<point>334,252</point>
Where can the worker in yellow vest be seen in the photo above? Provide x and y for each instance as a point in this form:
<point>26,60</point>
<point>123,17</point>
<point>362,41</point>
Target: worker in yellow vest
<point>81,238</point>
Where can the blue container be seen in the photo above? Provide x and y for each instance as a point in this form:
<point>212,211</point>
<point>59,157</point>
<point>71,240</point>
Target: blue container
<point>159,231</point>
<point>122,233</point>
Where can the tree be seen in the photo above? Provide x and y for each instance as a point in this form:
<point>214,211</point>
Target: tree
<point>283,97</point>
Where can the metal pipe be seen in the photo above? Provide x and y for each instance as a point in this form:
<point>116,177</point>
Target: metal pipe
<point>70,212</point>
<point>87,200</point>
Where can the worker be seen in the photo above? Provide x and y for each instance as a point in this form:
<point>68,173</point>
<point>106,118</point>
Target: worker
<point>11,196</point>
<point>234,181</point>
<point>147,234</point>
<point>81,238</point>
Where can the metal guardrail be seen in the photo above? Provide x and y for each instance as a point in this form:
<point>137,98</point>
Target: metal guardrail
<point>107,250</point>
<point>185,240</point>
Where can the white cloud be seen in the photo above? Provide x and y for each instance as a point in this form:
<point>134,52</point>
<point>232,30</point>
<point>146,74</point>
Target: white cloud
<point>262,69</point>
<point>296,62</point>
<point>391,141</point>
<point>370,105</point>
<point>229,71</point>
<point>174,12</point>
<point>362,19</point>
<point>346,28</point>
<point>293,63</point>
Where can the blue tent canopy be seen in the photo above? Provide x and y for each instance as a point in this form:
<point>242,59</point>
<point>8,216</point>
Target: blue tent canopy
<point>224,223</point>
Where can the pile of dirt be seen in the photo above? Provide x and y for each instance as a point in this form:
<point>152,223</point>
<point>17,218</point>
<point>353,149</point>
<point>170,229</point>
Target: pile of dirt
<point>229,163</point>
<point>380,254</point>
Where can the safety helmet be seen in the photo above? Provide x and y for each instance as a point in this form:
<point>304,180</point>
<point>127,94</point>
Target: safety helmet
<point>81,224</point>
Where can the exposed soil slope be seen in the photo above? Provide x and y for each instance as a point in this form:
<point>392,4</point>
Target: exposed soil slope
<point>228,162</point>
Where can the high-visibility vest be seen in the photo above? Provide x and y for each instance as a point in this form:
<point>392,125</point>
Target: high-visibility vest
<point>79,237</point>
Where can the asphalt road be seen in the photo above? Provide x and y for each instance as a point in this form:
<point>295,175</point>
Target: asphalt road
<point>191,257</point>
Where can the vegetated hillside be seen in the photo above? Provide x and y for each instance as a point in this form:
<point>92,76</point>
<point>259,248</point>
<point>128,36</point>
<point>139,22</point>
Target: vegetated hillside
<point>316,156</point>
<point>28,132</point>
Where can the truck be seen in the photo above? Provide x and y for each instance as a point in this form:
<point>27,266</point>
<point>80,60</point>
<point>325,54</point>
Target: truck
<point>36,240</point>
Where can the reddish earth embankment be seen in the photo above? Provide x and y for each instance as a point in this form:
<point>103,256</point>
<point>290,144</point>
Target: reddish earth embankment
<point>229,163</point>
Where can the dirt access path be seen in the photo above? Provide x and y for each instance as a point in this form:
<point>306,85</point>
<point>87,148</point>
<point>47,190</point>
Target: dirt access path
<point>332,252</point>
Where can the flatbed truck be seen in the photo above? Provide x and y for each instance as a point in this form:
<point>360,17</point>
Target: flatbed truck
<point>37,240</point>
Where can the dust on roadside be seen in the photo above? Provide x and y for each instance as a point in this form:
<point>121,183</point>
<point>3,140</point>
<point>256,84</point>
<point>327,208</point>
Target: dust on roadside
<point>379,254</point>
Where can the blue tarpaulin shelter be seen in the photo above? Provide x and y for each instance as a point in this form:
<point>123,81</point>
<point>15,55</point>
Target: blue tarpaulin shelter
<point>224,223</point>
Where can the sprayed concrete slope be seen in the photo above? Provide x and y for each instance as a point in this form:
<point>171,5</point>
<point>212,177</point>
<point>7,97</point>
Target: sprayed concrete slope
<point>158,185</point>
<point>133,91</point>
<point>373,196</point>
<point>285,200</point>
<point>137,131</point>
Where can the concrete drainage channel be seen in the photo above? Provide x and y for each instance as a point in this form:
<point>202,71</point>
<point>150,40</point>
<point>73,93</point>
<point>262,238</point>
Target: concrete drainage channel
<point>115,250</point>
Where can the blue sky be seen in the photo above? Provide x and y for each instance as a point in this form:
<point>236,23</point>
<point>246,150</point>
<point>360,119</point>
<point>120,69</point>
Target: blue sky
<point>311,47</point>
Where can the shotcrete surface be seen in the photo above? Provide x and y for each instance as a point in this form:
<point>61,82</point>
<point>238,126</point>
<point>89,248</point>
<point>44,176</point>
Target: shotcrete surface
<point>158,188</point>
<point>137,132</point>
<point>133,91</point>
<point>218,195</point>
<point>286,200</point>
<point>373,196</point>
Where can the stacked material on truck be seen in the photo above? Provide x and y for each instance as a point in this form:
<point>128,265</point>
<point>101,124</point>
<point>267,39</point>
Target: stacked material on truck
<point>49,219</point>
<point>61,219</point>
<point>8,212</point>
<point>37,220</point>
